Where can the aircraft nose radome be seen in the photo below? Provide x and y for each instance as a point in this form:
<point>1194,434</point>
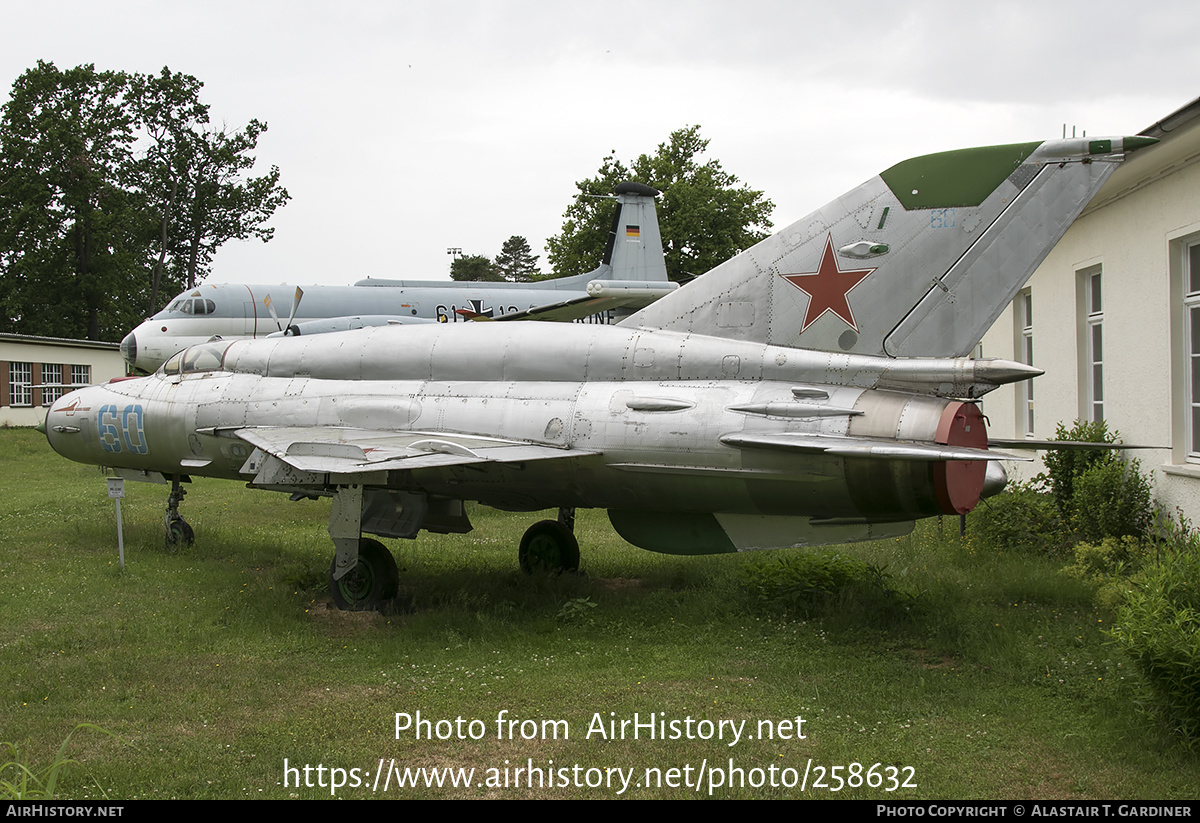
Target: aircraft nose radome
<point>129,349</point>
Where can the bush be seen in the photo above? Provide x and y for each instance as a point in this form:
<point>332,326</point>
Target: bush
<point>1022,519</point>
<point>1096,491</point>
<point>1109,564</point>
<point>818,583</point>
<point>1111,557</point>
<point>1112,499</point>
<point>1084,494</point>
<point>1158,627</point>
<point>1063,466</point>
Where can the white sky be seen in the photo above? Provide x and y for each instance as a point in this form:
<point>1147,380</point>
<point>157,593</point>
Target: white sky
<point>406,128</point>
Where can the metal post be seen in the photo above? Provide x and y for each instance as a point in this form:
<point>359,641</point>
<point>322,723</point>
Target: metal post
<point>116,490</point>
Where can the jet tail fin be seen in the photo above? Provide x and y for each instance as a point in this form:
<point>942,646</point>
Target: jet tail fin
<point>634,251</point>
<point>918,261</point>
<point>634,244</point>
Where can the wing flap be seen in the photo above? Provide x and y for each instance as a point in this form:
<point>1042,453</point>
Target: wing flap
<point>336,450</point>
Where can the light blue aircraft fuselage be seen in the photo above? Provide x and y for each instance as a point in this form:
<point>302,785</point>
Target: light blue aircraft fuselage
<point>631,276</point>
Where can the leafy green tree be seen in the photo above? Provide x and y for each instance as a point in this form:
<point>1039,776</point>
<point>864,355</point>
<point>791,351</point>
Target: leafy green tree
<point>196,178</point>
<point>474,267</point>
<point>222,204</point>
<point>705,216</point>
<point>169,111</point>
<point>516,261</point>
<point>93,231</point>
<point>69,231</point>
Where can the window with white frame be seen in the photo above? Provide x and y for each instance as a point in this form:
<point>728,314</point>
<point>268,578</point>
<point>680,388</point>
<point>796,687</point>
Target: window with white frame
<point>52,389</point>
<point>81,376</point>
<point>1191,343</point>
<point>1092,350</point>
<point>1023,346</point>
<point>20,379</point>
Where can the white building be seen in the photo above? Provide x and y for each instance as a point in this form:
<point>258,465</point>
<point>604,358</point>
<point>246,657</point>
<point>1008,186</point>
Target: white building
<point>1113,317</point>
<point>36,371</point>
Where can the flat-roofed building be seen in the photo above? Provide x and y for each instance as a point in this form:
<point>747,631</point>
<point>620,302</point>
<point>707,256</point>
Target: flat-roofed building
<point>1113,317</point>
<point>36,371</point>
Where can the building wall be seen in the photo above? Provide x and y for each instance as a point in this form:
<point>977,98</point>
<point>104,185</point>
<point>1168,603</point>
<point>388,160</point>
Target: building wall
<point>1134,235</point>
<point>34,361</point>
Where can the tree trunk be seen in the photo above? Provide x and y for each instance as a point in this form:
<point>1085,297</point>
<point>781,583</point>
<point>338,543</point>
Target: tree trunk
<point>156,278</point>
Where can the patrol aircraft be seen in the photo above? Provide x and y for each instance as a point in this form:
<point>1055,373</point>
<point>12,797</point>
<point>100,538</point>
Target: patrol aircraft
<point>813,389</point>
<point>631,275</point>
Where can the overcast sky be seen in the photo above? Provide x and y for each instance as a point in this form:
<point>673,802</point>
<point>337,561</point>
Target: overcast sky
<point>406,128</point>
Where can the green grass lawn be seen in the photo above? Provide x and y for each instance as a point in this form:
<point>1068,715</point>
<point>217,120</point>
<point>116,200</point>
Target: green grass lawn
<point>213,665</point>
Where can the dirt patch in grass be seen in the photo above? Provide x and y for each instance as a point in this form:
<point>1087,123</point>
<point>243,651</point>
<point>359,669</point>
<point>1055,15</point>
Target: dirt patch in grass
<point>617,585</point>
<point>929,660</point>
<point>338,623</point>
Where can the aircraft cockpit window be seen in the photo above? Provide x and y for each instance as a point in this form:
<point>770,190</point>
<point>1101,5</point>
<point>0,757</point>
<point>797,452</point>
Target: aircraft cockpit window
<point>172,365</point>
<point>203,358</point>
<point>198,305</point>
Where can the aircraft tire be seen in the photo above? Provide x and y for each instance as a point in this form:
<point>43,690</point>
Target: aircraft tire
<point>549,546</point>
<point>179,533</point>
<point>373,582</point>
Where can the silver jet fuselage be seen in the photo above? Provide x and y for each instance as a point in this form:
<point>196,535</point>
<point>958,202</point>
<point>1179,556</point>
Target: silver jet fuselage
<point>646,421</point>
<point>813,389</point>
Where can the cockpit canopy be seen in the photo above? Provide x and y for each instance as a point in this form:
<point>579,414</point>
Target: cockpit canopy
<point>204,357</point>
<point>192,305</point>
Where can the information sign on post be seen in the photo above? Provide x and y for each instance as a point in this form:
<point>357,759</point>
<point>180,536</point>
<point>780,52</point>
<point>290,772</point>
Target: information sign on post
<point>116,490</point>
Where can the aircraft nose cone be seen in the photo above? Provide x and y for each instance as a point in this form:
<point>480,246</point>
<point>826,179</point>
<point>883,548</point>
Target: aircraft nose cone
<point>995,479</point>
<point>129,349</point>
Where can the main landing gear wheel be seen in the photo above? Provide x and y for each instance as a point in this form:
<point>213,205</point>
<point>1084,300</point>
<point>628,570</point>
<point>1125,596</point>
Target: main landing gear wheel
<point>549,546</point>
<point>370,584</point>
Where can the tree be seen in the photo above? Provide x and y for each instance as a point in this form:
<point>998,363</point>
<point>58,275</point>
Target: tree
<point>704,216</point>
<point>516,261</point>
<point>474,267</point>
<point>201,197</point>
<point>220,204</point>
<point>68,229</point>
<point>92,231</point>
<point>169,111</point>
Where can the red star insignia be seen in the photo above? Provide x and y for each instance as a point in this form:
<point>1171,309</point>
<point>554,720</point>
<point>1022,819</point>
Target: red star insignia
<point>828,287</point>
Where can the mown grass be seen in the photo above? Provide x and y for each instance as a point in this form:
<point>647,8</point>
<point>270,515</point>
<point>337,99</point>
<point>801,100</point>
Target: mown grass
<point>212,665</point>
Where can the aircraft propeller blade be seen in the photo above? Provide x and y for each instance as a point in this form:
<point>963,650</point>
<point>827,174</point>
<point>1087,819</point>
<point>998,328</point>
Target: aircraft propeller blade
<point>295,305</point>
<point>271,309</point>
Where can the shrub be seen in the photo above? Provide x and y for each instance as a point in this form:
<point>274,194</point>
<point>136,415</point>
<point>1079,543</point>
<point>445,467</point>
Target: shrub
<point>1096,491</point>
<point>1021,519</point>
<point>1112,498</point>
<point>1112,556</point>
<point>1158,627</point>
<point>817,583</point>
<point>1063,466</point>
<point>1109,564</point>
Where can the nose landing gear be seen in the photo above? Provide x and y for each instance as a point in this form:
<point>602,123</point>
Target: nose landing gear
<point>178,532</point>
